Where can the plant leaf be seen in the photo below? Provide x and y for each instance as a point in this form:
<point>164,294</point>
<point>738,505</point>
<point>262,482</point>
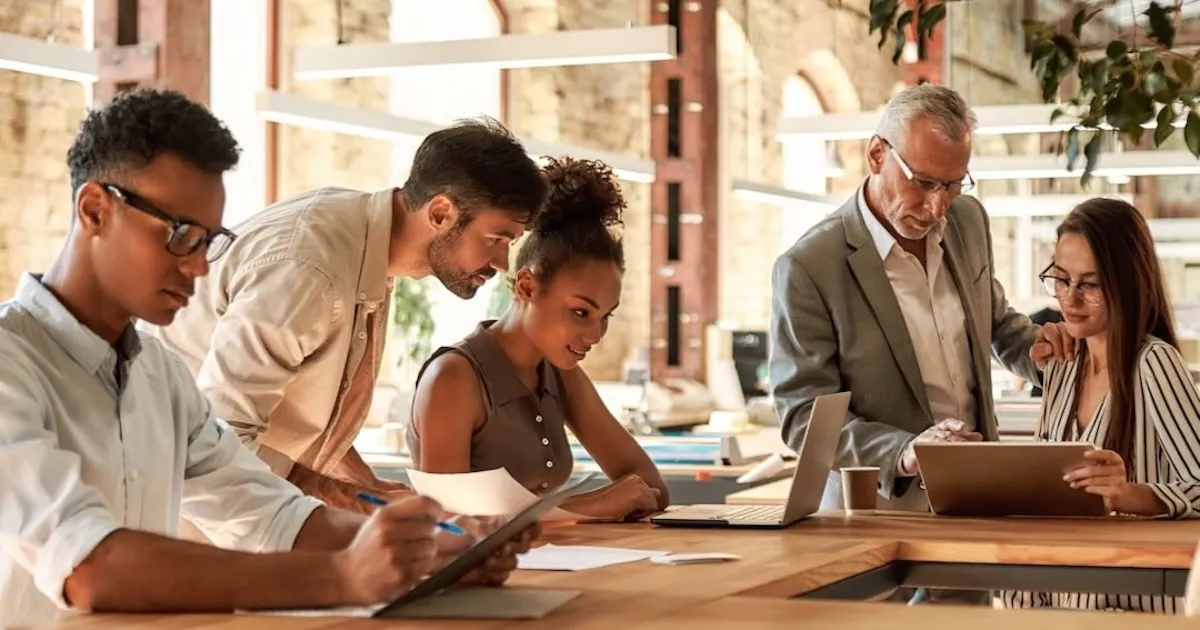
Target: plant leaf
<point>1091,154</point>
<point>1184,72</point>
<point>883,12</point>
<point>1166,124</point>
<point>1066,46</point>
<point>1072,148</point>
<point>1157,87</point>
<point>1116,49</point>
<point>1056,114</point>
<point>1041,51</point>
<point>1162,27</point>
<point>901,24</point>
<point>930,18</point>
<point>1191,133</point>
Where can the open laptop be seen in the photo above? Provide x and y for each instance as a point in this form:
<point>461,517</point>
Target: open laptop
<point>808,484</point>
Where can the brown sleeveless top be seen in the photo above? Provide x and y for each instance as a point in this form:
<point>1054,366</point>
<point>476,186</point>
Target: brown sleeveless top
<point>525,432</point>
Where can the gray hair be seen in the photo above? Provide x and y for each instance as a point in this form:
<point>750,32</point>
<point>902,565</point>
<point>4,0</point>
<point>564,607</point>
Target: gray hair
<point>945,108</point>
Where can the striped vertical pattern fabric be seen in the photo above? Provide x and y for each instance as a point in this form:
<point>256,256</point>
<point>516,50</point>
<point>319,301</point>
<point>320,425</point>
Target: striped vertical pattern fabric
<point>1166,455</point>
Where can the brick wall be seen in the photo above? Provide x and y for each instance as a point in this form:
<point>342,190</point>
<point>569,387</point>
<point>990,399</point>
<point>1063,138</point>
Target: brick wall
<point>38,120</point>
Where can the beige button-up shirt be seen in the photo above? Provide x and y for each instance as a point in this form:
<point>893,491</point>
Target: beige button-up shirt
<point>934,316</point>
<point>285,335</point>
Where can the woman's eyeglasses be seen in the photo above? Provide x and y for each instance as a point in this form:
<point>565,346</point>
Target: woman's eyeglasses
<point>1060,288</point>
<point>185,238</point>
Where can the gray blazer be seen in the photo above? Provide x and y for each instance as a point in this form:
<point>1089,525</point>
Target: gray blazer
<point>836,326</point>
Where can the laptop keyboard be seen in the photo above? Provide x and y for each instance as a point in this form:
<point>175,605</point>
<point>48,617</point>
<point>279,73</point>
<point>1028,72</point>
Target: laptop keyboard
<point>753,513</point>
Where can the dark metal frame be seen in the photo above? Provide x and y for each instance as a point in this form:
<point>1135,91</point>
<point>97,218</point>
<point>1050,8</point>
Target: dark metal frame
<point>985,577</point>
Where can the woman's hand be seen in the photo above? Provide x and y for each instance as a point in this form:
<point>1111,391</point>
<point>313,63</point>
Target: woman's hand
<point>1106,476</point>
<point>625,497</point>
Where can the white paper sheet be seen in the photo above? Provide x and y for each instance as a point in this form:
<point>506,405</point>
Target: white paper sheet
<point>569,558</point>
<point>485,493</point>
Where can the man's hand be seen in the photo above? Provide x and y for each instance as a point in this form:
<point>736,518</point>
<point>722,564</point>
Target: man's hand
<point>1052,342</point>
<point>500,564</point>
<point>948,430</point>
<point>394,549</point>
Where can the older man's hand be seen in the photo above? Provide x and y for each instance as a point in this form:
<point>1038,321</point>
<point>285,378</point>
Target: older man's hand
<point>1052,342</point>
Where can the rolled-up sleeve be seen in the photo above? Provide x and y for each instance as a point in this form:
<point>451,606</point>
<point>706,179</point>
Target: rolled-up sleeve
<point>280,312</point>
<point>50,520</point>
<point>228,492</point>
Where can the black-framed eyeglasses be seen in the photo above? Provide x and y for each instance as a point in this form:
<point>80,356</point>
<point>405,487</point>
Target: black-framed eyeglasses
<point>185,237</point>
<point>926,184</point>
<point>1060,288</point>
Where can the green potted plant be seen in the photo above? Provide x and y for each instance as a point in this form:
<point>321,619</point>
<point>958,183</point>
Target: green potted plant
<point>1132,87</point>
<point>412,318</point>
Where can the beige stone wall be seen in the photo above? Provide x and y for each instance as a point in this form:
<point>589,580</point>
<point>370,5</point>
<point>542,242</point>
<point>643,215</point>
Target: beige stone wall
<point>310,158</point>
<point>38,120</point>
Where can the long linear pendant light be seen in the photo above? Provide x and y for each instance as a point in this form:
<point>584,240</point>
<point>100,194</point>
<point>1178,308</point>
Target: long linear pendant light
<point>290,109</point>
<point>561,48</point>
<point>48,59</point>
<point>1051,166</point>
<point>766,193</point>
<point>992,120</point>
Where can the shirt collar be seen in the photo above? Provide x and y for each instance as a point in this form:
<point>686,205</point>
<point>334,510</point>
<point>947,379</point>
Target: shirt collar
<point>373,277</point>
<point>508,386</point>
<point>86,347</point>
<point>882,238</point>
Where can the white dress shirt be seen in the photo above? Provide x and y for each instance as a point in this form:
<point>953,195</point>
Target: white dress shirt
<point>91,441</point>
<point>934,316</point>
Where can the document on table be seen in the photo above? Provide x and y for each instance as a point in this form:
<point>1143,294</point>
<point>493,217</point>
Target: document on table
<point>568,558</point>
<point>485,493</point>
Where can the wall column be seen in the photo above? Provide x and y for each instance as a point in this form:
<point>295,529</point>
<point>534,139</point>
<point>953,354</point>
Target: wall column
<point>683,232</point>
<point>153,43</point>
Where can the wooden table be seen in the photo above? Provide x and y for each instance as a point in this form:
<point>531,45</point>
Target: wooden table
<point>820,553</point>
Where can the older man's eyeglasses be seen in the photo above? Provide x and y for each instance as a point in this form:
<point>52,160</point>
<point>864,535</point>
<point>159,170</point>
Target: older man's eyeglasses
<point>1059,287</point>
<point>927,184</point>
<point>185,238</point>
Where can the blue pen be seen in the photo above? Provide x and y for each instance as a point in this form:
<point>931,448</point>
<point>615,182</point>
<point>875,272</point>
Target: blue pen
<point>374,500</point>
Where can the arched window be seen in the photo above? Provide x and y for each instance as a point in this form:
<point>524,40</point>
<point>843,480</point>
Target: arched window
<point>442,95</point>
<point>805,161</point>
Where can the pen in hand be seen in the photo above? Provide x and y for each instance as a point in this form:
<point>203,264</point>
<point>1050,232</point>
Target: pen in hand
<point>443,525</point>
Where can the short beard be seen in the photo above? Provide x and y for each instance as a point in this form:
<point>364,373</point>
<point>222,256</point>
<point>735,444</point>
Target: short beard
<point>460,283</point>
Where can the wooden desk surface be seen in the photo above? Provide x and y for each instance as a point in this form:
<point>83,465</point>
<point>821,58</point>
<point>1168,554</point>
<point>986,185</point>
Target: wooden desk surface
<point>777,565</point>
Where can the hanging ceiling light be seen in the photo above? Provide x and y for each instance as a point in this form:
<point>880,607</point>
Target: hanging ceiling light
<point>991,120</point>
<point>47,59</point>
<point>290,109</point>
<point>560,48</point>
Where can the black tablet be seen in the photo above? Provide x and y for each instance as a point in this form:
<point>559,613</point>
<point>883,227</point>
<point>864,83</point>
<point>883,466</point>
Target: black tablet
<point>458,568</point>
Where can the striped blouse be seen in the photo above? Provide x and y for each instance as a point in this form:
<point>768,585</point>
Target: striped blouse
<point>1166,454</point>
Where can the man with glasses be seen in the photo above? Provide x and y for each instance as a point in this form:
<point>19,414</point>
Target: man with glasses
<point>893,298</point>
<point>105,440</point>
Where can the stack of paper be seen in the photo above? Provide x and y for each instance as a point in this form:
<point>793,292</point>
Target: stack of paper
<point>484,493</point>
<point>556,558</point>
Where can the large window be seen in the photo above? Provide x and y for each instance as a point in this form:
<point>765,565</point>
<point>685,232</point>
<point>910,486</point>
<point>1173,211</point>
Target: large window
<point>804,162</point>
<point>443,95</point>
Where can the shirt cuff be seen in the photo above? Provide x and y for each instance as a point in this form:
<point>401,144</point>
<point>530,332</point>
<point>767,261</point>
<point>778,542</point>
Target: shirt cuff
<point>288,521</point>
<point>70,544</point>
<point>1176,501</point>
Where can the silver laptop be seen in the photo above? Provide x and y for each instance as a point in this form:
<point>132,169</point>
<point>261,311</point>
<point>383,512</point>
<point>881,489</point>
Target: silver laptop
<point>808,485</point>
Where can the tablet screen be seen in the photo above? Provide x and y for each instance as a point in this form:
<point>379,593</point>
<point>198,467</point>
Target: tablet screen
<point>458,568</point>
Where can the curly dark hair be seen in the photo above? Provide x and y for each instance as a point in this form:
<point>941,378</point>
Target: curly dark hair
<point>135,127</point>
<point>584,203</point>
<point>477,163</point>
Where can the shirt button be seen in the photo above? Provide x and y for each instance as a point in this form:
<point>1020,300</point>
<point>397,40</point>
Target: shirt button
<point>362,335</point>
<point>362,296</point>
<point>545,485</point>
<point>133,475</point>
<point>549,464</point>
<point>545,440</point>
<point>539,418</point>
